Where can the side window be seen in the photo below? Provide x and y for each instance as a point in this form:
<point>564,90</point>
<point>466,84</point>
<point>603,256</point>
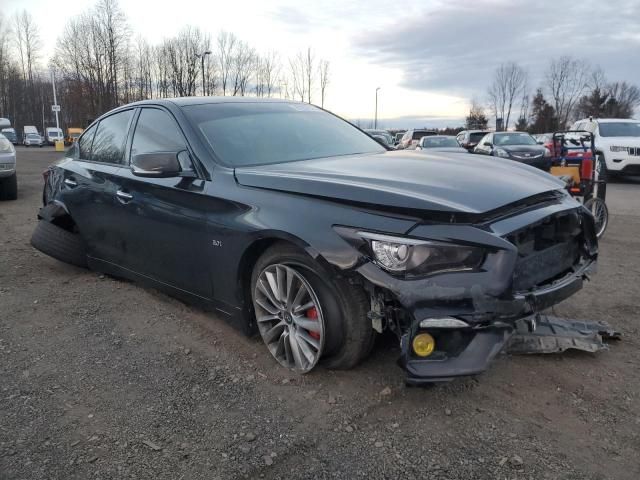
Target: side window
<point>108,144</point>
<point>84,144</point>
<point>156,131</point>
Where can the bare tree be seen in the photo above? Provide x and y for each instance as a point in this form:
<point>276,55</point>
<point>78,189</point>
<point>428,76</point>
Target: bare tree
<point>309,72</point>
<point>243,63</point>
<point>297,71</point>
<point>323,73</point>
<point>509,85</point>
<point>28,43</point>
<point>226,53</point>
<point>566,81</point>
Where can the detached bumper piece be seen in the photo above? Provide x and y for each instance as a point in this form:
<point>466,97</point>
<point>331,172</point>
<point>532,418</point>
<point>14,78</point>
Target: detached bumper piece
<point>555,335</point>
<point>469,351</point>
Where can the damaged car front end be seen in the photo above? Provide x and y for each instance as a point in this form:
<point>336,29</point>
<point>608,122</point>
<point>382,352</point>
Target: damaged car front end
<point>453,292</point>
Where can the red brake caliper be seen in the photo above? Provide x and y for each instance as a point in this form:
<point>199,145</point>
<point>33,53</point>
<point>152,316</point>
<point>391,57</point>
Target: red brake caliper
<point>312,314</point>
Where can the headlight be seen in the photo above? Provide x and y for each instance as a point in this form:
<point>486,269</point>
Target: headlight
<point>421,257</point>
<point>5,146</point>
<point>618,149</point>
<point>501,152</point>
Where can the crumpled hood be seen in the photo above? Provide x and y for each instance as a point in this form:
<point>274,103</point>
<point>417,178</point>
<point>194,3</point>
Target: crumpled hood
<point>438,182</point>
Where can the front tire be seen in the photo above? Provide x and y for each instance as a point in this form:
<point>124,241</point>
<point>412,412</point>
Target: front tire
<point>307,314</point>
<point>9,187</point>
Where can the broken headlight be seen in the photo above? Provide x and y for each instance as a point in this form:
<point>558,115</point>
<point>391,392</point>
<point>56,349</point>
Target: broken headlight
<point>421,257</point>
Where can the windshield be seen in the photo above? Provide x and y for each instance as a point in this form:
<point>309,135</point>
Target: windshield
<point>434,142</point>
<point>243,134</point>
<point>621,129</point>
<point>418,134</point>
<point>476,137</point>
<point>513,139</point>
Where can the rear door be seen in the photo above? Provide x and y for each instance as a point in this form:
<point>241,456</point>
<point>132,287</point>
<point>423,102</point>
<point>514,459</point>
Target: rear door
<point>91,182</point>
<point>164,219</point>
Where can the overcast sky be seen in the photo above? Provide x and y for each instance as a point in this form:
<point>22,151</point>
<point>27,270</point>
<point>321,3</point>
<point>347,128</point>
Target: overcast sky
<point>429,57</point>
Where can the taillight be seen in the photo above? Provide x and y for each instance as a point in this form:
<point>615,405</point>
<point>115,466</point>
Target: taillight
<point>586,167</point>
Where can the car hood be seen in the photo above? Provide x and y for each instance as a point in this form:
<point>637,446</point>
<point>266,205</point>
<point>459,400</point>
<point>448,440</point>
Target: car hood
<point>534,149</point>
<point>445,150</point>
<point>620,141</point>
<point>407,180</point>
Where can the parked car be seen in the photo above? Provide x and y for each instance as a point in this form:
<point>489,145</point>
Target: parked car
<point>383,134</point>
<point>8,176</point>
<point>54,134</point>
<point>72,135</point>
<point>398,137</point>
<point>322,240</point>
<point>10,134</point>
<point>518,146</point>
<point>410,138</point>
<point>469,138</point>
<point>617,144</point>
<point>32,139</point>
<point>440,143</point>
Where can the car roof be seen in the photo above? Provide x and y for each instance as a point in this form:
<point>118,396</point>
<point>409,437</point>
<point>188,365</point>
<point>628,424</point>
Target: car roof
<point>608,120</point>
<point>186,101</point>
<point>440,136</point>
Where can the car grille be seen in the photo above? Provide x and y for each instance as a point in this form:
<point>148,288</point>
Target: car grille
<point>635,151</point>
<point>526,156</point>
<point>547,250</point>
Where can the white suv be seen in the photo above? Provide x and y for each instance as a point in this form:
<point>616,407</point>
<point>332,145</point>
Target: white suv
<point>617,142</point>
<point>8,179</point>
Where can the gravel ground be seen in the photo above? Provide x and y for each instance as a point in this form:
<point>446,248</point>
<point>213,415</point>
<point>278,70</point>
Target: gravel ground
<point>100,378</point>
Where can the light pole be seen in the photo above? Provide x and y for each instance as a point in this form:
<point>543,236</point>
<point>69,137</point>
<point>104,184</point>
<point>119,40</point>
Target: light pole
<point>375,121</point>
<point>202,55</point>
<point>55,99</point>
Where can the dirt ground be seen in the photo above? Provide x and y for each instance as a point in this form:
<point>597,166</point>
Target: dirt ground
<point>102,379</point>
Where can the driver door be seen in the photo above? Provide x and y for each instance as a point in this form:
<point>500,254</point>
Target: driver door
<point>164,218</point>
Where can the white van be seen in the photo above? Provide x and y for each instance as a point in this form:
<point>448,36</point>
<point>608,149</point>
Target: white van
<point>53,134</point>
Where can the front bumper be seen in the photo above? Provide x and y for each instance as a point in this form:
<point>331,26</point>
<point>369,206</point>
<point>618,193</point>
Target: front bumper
<point>7,164</point>
<point>479,344</point>
<point>486,300</point>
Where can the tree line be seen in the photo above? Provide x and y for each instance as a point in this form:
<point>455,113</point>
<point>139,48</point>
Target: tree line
<point>570,89</point>
<point>99,64</point>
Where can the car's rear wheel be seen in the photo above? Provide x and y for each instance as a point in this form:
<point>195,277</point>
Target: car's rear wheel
<point>59,243</point>
<point>9,187</point>
<point>306,315</point>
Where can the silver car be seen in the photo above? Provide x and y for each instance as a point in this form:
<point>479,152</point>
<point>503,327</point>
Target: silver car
<point>33,139</point>
<point>8,177</point>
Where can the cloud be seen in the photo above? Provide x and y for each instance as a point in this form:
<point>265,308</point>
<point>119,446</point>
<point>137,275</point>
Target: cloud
<point>455,48</point>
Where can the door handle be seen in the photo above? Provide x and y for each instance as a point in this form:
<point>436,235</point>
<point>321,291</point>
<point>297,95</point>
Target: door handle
<point>124,197</point>
<point>70,183</point>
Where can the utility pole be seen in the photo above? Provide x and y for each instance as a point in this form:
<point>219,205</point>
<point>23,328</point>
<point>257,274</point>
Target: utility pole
<point>202,55</point>
<point>55,98</point>
<point>375,121</point>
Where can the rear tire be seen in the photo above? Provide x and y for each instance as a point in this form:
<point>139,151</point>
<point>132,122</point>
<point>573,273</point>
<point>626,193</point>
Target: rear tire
<point>600,213</point>
<point>59,243</point>
<point>9,187</point>
<point>348,334</point>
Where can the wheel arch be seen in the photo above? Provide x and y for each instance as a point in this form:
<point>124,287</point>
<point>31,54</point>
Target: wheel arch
<point>250,256</point>
<point>57,213</point>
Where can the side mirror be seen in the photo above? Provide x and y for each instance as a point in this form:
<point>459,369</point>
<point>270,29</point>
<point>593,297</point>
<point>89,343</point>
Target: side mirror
<point>489,144</point>
<point>162,165</point>
<point>540,142</point>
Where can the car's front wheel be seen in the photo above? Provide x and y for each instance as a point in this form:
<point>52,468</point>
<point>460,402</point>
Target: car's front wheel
<point>9,187</point>
<point>306,315</point>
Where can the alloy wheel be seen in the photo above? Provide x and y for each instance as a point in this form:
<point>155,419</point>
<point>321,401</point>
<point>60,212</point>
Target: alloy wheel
<point>289,317</point>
